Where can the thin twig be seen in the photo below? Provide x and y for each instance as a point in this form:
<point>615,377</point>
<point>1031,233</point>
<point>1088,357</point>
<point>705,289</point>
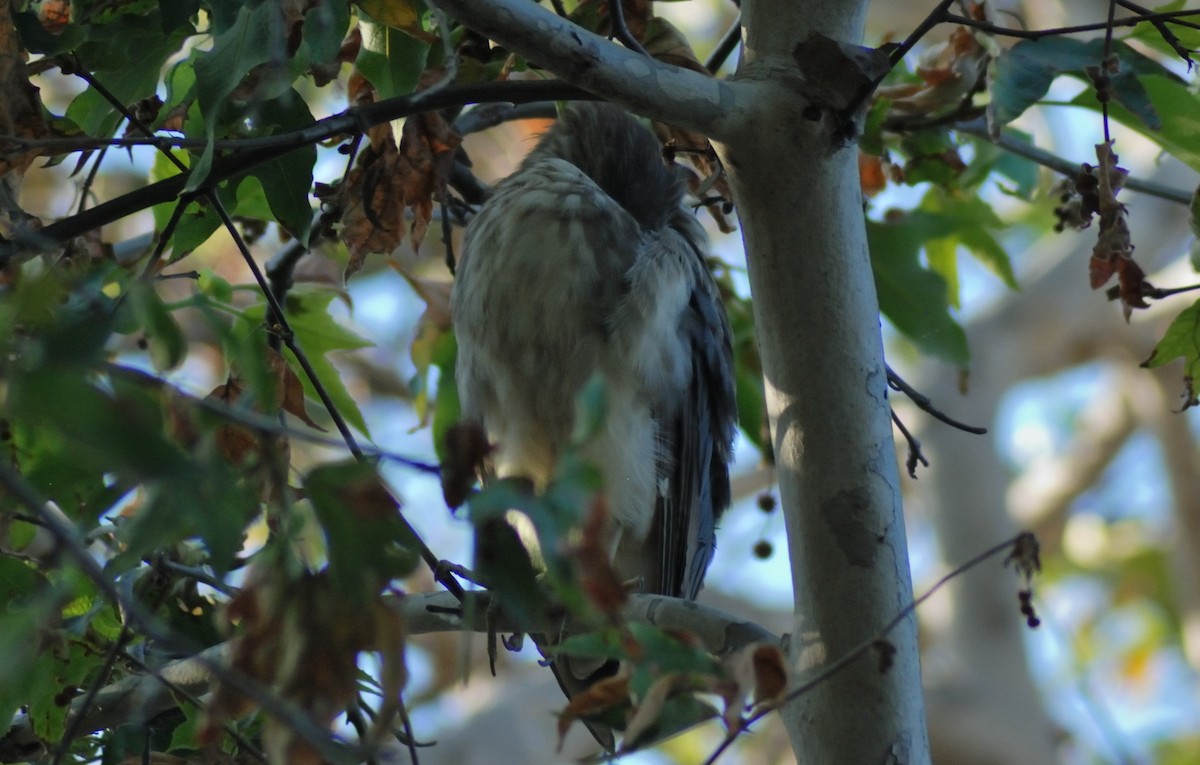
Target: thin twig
<point>197,703</point>
<point>897,54</point>
<point>897,383</point>
<point>915,455</point>
<point>264,425</point>
<point>1102,80</point>
<point>1153,17</point>
<point>253,152</point>
<point>90,180</point>
<point>988,27</point>
<point>98,682</point>
<point>855,653</point>
<point>728,43</point>
<point>1065,166</point>
<point>619,30</point>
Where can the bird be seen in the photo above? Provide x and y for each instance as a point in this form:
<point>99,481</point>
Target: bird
<point>585,264</point>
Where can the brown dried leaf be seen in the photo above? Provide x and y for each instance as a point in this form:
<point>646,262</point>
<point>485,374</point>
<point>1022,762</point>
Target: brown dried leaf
<point>291,389</point>
<point>388,180</point>
<point>871,173</point>
<point>369,499</point>
<point>599,579</point>
<point>236,443</point>
<point>609,693</point>
<point>835,72</point>
<point>770,674</point>
<point>177,414</point>
<point>950,71</point>
<point>300,638</point>
<point>650,708</point>
<point>663,41</point>
<point>1113,253</point>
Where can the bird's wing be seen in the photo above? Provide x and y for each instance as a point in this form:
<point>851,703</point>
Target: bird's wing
<point>675,334</point>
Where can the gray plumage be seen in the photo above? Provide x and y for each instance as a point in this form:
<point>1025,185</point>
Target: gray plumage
<point>584,261</point>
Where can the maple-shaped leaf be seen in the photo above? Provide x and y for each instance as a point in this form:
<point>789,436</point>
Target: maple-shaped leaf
<point>1181,340</point>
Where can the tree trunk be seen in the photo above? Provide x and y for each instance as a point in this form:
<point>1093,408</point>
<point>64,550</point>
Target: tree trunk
<point>801,209</point>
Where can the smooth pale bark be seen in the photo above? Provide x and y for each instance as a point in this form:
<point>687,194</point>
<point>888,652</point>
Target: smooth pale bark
<point>799,201</point>
<point>801,209</point>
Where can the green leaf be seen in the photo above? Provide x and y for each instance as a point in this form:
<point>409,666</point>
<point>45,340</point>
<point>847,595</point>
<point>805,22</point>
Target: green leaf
<point>1023,74</point>
<point>1181,340</point>
<point>503,562</point>
<point>168,347</point>
<point>214,286</point>
<point>591,406</point>
<point>391,60</point>
<point>251,41</point>
<point>975,220</point>
<point>286,180</point>
<point>367,542</point>
<point>752,408</point>
<point>176,13</point>
<point>127,57</point>
<point>324,30</point>
<point>198,222</point>
<point>318,334</point>
<point>990,159</point>
<point>1179,109</point>
<point>913,298</point>
<point>446,408</point>
<point>41,667</point>
<point>404,15</point>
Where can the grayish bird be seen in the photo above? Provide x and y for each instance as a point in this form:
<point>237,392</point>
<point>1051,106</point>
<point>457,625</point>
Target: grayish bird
<point>584,262</point>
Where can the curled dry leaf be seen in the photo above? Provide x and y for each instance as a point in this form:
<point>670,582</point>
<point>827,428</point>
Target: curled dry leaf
<point>235,442</point>
<point>1025,555</point>
<point>871,173</point>
<point>600,582</point>
<point>834,72</point>
<point>1113,253</point>
<point>603,696</point>
<point>289,388</point>
<point>388,180</point>
<point>759,672</point>
<point>949,72</point>
<point>650,707</point>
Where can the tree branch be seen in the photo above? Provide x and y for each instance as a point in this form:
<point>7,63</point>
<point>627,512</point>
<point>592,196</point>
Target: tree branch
<point>648,87</point>
<point>140,697</point>
<point>1065,166</point>
<point>254,152</point>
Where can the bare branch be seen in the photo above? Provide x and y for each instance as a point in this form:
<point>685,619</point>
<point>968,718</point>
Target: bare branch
<point>643,85</point>
<point>140,697</point>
